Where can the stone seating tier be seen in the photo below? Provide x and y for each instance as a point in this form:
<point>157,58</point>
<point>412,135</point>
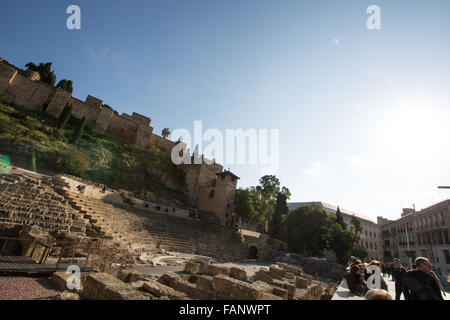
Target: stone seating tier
<point>122,224</point>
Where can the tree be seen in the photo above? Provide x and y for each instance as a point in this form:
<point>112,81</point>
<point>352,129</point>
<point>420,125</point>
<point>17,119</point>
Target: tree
<point>66,85</point>
<point>250,205</point>
<point>281,209</point>
<point>357,229</point>
<point>79,130</point>
<point>360,252</point>
<point>165,133</point>
<point>65,116</point>
<point>45,72</point>
<point>340,218</point>
<point>307,229</point>
<point>340,241</point>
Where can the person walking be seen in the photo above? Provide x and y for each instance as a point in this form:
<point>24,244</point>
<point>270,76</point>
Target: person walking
<point>421,283</point>
<point>397,274</point>
<point>355,281</point>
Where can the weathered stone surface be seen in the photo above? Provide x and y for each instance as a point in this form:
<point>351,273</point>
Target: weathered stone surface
<point>263,286</point>
<point>263,276</point>
<point>280,292</point>
<point>60,279</point>
<point>276,273</point>
<point>214,270</point>
<point>202,260</point>
<point>205,284</point>
<point>300,294</point>
<point>301,282</point>
<point>129,275</point>
<point>285,285</point>
<point>290,268</point>
<point>176,282</point>
<point>270,296</point>
<point>103,286</point>
<point>239,274</point>
<point>159,290</point>
<point>236,289</point>
<point>67,296</point>
<point>192,268</point>
<point>290,289</point>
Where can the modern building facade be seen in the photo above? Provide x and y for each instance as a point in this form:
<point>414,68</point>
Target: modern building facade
<point>419,233</point>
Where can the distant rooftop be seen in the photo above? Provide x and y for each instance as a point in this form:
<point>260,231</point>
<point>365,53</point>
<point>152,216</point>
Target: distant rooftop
<point>330,208</point>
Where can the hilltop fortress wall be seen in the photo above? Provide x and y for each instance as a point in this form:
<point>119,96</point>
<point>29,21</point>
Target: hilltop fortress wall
<point>208,187</point>
<point>23,88</point>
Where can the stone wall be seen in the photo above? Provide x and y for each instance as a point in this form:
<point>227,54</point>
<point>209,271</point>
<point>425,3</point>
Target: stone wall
<point>162,143</point>
<point>24,89</point>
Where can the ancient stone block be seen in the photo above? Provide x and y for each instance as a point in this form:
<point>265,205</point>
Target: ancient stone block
<point>205,284</point>
<point>222,284</point>
<point>160,290</point>
<point>176,282</point>
<point>60,279</point>
<point>280,292</point>
<point>290,268</point>
<point>301,282</point>
<point>270,296</point>
<point>236,289</point>
<point>277,273</point>
<point>263,286</point>
<point>213,270</point>
<point>263,276</point>
<point>192,268</point>
<point>290,288</point>
<point>300,294</point>
<point>103,286</point>
<point>239,274</point>
<point>128,275</point>
<point>67,296</point>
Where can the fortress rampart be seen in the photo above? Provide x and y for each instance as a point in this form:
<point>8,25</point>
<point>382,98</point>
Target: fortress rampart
<point>208,187</point>
<point>24,89</point>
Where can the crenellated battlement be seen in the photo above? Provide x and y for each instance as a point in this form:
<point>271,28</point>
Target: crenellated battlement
<point>24,89</point>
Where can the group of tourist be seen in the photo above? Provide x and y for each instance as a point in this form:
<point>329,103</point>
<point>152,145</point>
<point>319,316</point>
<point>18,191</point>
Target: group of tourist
<point>81,188</point>
<point>420,283</point>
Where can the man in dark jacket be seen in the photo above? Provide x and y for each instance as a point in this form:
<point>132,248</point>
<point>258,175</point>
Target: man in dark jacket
<point>397,275</point>
<point>419,284</point>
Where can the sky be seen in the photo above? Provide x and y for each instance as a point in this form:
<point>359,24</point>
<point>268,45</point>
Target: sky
<point>363,115</point>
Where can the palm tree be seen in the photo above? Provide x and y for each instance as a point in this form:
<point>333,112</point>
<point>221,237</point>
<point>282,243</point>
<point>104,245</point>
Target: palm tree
<point>357,228</point>
<point>165,133</point>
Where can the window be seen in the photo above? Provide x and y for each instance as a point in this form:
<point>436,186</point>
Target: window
<point>447,256</point>
<point>211,195</point>
<point>374,235</point>
<point>366,232</point>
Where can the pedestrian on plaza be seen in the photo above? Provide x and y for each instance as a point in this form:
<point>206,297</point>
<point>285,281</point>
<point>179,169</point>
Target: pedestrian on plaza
<point>421,283</point>
<point>397,275</point>
<point>355,281</point>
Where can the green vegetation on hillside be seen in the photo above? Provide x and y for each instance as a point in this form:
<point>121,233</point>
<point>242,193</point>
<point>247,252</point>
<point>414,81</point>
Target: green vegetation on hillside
<point>25,135</point>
